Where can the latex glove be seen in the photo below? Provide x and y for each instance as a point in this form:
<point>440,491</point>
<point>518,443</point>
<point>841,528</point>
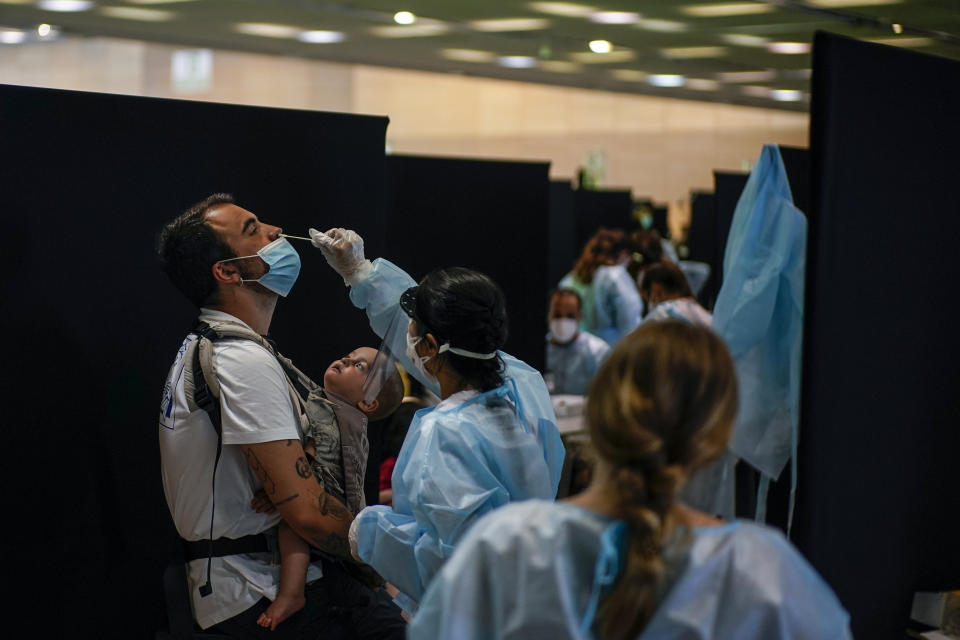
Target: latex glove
<point>352,538</point>
<point>343,250</point>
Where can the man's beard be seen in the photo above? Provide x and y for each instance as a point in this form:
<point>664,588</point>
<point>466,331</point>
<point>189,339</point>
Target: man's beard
<point>253,272</point>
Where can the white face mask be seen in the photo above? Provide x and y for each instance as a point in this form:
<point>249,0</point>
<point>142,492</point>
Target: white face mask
<point>563,329</point>
<point>419,361</point>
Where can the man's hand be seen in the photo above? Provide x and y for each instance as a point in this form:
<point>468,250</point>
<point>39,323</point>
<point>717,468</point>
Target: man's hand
<point>343,250</point>
<point>290,486</point>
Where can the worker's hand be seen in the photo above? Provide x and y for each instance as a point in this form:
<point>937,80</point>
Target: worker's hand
<point>343,249</point>
<point>354,542</point>
<point>261,503</point>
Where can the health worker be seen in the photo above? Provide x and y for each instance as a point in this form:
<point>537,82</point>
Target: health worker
<point>491,440</point>
<point>625,559</point>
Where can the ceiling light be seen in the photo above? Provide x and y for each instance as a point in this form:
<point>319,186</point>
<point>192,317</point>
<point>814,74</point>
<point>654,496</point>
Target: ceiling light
<point>903,42</point>
<point>565,9</point>
<point>726,9</point>
<point>702,84</point>
<point>266,30</point>
<point>44,30</point>
<point>615,17</point>
<point>744,40</point>
<point>422,28</point>
<point>404,17</point>
<point>755,91</point>
<point>786,95</point>
<point>65,5</point>
<point>468,55</point>
<point>559,66</point>
<point>692,53</point>
<point>509,24</point>
<point>666,80</point>
<point>321,37</point>
<point>600,46</point>
<point>517,62</point>
<point>137,13</point>
<point>747,76</point>
<point>12,36</point>
<point>851,3</point>
<point>663,26</point>
<point>788,47</point>
<point>629,75</point>
<point>617,55</point>
<point>897,28</point>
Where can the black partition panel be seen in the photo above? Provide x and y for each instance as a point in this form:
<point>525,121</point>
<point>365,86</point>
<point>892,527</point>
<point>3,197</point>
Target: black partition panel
<point>701,239</point>
<point>93,326</point>
<point>796,161</point>
<point>595,209</point>
<point>727,187</point>
<point>660,221</point>
<point>492,216</point>
<point>563,239</point>
<point>879,498</point>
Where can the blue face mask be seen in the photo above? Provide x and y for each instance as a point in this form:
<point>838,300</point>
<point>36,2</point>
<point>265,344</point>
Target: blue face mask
<point>283,262</point>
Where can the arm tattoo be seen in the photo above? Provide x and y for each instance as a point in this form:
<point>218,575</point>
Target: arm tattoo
<point>334,544</point>
<point>303,468</point>
<point>286,500</point>
<point>332,507</point>
<point>269,485</point>
<point>289,442</point>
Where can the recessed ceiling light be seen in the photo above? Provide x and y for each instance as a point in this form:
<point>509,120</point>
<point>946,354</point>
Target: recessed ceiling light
<point>788,47</point>
<point>468,55</point>
<point>137,13</point>
<point>744,40</point>
<point>422,28</point>
<point>321,37</point>
<point>629,75</point>
<point>786,95</point>
<point>44,30</point>
<point>692,53</point>
<point>266,29</point>
<point>12,36</point>
<point>617,55</point>
<point>559,66</point>
<point>404,17</point>
<point>615,17</point>
<point>755,91</point>
<point>747,76</point>
<point>851,3</point>
<point>904,42</point>
<point>666,80</point>
<point>565,9</point>
<point>663,26</point>
<point>702,84</point>
<point>600,46</point>
<point>719,10</point>
<point>509,24</point>
<point>66,6</point>
<point>517,62</point>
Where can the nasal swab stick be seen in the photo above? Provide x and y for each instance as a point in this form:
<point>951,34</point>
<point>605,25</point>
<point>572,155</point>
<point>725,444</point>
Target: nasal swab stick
<point>285,235</point>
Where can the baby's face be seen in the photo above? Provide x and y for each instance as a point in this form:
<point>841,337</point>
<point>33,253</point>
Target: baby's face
<point>345,377</point>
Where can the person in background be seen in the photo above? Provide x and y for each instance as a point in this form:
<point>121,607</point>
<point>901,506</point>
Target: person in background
<point>625,559</point>
<point>611,305</point>
<point>666,294</point>
<point>415,397</point>
<point>573,355</point>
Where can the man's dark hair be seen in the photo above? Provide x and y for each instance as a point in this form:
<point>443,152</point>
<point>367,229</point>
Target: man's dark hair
<point>669,276</point>
<point>563,291</point>
<point>188,247</point>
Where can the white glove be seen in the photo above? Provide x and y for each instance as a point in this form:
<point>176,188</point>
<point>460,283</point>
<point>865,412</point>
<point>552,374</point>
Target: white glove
<point>343,249</point>
<point>352,538</point>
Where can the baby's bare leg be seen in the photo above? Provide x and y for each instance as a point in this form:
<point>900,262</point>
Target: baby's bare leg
<point>294,558</point>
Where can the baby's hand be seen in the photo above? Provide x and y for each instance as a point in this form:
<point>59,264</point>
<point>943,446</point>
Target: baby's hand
<point>261,503</point>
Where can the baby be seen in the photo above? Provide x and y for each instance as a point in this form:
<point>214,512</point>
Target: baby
<point>338,418</point>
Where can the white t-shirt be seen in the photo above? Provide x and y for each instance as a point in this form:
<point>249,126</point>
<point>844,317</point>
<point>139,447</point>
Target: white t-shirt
<point>255,407</point>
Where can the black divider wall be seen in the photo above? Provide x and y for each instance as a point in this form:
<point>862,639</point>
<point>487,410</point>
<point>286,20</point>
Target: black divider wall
<point>701,239</point>
<point>660,221</point>
<point>595,209</point>
<point>878,502</point>
<point>563,241</point>
<point>93,326</point>
<point>727,190</point>
<point>491,216</point>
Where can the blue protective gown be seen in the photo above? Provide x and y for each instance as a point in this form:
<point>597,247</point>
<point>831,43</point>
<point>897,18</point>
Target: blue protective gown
<point>471,453</point>
<point>572,366</point>
<point>616,304</point>
<point>539,570</point>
